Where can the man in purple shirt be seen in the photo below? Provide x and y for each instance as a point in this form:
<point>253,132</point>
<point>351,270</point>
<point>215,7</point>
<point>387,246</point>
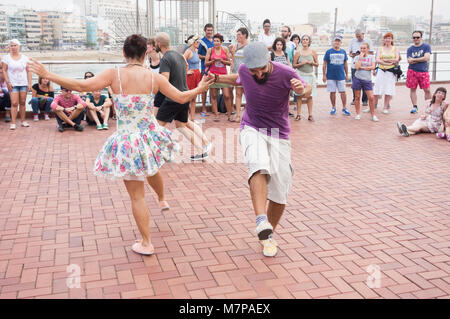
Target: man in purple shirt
<point>265,130</point>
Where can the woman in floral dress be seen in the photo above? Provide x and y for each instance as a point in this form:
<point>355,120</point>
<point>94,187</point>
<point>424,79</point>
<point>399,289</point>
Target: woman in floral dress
<point>140,147</point>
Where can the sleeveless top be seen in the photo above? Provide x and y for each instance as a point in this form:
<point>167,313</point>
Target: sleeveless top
<point>435,118</point>
<point>238,58</point>
<point>387,56</point>
<point>140,146</point>
<point>218,67</point>
<point>194,62</point>
<point>306,69</point>
<point>280,59</point>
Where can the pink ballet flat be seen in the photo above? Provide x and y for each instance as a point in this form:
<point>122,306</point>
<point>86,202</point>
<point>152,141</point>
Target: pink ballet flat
<point>163,205</point>
<point>138,248</point>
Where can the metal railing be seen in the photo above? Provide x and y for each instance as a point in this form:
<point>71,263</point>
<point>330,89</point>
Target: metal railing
<point>439,68</point>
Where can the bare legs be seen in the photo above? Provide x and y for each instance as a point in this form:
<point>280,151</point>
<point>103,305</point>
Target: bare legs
<point>18,99</point>
<point>413,95</point>
<point>239,94</point>
<point>258,191</point>
<point>140,211</point>
<point>343,99</point>
<point>309,103</point>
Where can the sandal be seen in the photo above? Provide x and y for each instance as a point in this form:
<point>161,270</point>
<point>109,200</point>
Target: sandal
<point>310,118</point>
<point>163,205</point>
<point>141,250</point>
<point>217,119</point>
<point>237,119</point>
<point>298,117</point>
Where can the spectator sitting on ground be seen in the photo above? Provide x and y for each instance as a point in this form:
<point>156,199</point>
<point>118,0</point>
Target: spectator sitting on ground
<point>87,75</point>
<point>42,98</point>
<point>446,126</point>
<point>68,109</point>
<point>5,99</point>
<point>433,118</point>
<point>99,107</point>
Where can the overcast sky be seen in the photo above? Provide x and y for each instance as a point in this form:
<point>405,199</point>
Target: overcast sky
<point>294,11</point>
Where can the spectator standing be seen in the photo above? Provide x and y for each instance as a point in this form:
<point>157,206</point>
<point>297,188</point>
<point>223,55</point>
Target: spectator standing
<point>305,60</point>
<point>217,60</point>
<point>237,53</point>
<point>387,58</point>
<point>362,81</point>
<point>354,51</point>
<point>267,38</point>
<point>290,46</point>
<point>18,80</point>
<point>153,58</point>
<point>278,53</point>
<point>335,74</point>
<point>206,43</point>
<point>194,75</point>
<point>418,57</point>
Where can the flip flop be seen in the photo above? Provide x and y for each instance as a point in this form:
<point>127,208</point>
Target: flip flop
<point>163,205</point>
<point>298,118</point>
<point>141,250</point>
<point>310,118</point>
<point>217,120</point>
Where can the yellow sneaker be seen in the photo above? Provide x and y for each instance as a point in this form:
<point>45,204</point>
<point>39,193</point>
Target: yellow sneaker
<point>270,248</point>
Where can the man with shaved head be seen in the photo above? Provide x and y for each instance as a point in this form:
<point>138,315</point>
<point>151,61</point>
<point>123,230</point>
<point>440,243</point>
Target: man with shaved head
<point>173,66</point>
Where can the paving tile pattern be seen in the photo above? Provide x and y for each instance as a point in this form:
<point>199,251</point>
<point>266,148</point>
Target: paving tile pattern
<point>362,196</point>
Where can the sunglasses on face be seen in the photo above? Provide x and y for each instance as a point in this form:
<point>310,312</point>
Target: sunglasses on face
<point>416,38</point>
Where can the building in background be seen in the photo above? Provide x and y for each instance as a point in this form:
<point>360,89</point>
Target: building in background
<point>16,28</point>
<point>91,32</point>
<point>3,28</point>
<point>319,18</point>
<point>190,9</point>
<point>33,29</point>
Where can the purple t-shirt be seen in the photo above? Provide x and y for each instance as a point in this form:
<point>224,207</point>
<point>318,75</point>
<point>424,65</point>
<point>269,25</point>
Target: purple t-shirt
<point>268,104</point>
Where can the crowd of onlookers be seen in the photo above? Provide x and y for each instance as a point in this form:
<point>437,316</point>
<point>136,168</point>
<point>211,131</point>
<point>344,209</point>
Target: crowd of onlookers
<point>374,74</point>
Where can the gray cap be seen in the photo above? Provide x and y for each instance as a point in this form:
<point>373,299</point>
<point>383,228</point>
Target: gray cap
<point>256,55</point>
<point>338,37</point>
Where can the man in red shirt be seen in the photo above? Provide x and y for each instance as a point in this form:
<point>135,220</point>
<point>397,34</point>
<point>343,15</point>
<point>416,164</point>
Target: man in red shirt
<point>68,109</point>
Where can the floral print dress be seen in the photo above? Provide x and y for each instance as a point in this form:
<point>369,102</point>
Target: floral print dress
<point>140,146</point>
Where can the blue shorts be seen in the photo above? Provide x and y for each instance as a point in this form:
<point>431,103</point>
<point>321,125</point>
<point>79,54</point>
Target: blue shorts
<point>334,85</point>
<point>359,85</point>
<point>17,89</point>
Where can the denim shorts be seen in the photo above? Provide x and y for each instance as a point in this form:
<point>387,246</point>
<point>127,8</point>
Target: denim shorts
<point>17,89</point>
<point>334,85</point>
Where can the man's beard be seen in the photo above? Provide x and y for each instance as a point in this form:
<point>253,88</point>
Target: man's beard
<point>263,80</point>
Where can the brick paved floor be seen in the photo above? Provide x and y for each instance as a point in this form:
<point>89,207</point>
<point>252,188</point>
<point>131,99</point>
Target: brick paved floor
<point>362,196</point>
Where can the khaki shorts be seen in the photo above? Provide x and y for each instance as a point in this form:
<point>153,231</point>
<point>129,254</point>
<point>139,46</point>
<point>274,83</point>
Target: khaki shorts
<point>272,157</point>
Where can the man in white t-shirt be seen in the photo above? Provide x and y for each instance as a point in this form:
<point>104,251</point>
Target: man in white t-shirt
<point>267,38</point>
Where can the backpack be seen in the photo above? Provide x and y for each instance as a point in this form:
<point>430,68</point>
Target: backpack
<point>272,56</point>
<point>221,107</point>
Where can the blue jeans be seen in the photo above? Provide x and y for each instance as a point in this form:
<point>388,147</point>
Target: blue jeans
<point>76,120</point>
<point>37,104</point>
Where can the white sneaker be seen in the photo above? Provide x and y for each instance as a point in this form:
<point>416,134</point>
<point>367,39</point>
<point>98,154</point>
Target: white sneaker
<point>36,118</point>
<point>385,112</point>
<point>375,118</point>
<point>12,127</point>
<point>273,239</point>
<point>358,117</point>
<point>208,148</point>
<point>366,111</point>
<point>25,124</point>
<point>270,248</point>
<point>264,230</point>
<point>47,118</point>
